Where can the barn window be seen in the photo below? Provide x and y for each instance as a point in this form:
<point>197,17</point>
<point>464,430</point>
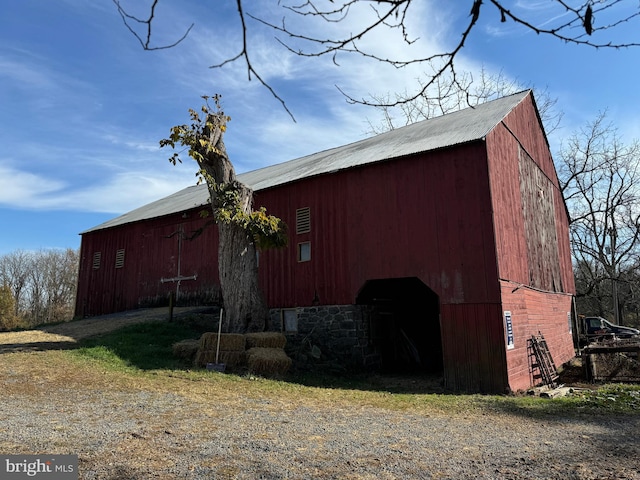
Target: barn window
<point>303,220</point>
<point>290,320</point>
<point>96,260</point>
<point>304,251</point>
<point>120,258</point>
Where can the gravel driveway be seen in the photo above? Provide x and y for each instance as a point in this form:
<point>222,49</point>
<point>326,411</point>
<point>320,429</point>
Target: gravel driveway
<point>144,435</point>
<point>147,431</point>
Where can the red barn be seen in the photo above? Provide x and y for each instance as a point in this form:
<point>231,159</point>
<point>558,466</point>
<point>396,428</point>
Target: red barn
<point>440,246</point>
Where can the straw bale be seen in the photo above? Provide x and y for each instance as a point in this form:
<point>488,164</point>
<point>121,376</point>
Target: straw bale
<point>186,349</point>
<point>268,361</point>
<point>229,342</point>
<point>231,359</point>
<point>266,340</point>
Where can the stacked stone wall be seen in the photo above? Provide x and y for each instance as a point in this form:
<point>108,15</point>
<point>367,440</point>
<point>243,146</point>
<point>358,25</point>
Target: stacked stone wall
<point>334,337</point>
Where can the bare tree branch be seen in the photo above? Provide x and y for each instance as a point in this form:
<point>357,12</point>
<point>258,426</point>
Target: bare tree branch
<point>445,96</point>
<point>244,53</point>
<point>580,23</point>
<point>146,41</point>
<point>599,176</point>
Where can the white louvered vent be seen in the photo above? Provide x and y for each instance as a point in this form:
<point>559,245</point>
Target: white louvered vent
<point>120,258</point>
<point>303,220</point>
<point>96,260</point>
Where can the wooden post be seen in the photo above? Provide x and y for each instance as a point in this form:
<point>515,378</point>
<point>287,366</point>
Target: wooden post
<point>172,300</point>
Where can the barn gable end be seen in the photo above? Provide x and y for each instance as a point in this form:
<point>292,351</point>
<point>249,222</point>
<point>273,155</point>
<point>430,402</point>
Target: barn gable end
<point>532,240</point>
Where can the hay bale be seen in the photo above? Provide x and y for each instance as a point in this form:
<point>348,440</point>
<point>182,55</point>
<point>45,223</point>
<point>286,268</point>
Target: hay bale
<point>268,361</point>
<point>186,349</point>
<point>229,342</point>
<point>266,340</point>
<point>231,359</point>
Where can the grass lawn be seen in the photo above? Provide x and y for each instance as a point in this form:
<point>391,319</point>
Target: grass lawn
<point>141,354</point>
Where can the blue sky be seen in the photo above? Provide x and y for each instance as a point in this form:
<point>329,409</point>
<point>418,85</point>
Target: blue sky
<point>82,106</point>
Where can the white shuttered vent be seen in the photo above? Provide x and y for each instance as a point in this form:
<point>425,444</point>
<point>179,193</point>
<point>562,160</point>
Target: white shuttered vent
<point>303,220</point>
<point>120,258</point>
<point>96,260</point>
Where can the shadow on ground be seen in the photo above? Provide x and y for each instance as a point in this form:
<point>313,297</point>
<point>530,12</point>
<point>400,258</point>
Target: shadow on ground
<point>143,339</point>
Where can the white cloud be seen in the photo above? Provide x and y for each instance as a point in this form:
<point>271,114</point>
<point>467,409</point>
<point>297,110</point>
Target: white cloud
<point>117,193</point>
<point>121,193</point>
<point>21,188</point>
<point>39,85</point>
<point>129,141</point>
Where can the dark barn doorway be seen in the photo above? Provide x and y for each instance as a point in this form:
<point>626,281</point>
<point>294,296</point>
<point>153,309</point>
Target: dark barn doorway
<point>404,324</point>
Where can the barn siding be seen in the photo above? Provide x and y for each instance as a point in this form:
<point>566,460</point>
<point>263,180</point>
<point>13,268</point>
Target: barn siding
<point>426,216</point>
<point>151,253</point>
<point>540,226</point>
<point>521,169</point>
<point>564,245</point>
<point>473,348</point>
<point>532,240</point>
<point>534,312</point>
<point>523,124</point>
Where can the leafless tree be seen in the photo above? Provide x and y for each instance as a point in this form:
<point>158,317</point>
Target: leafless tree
<point>42,284</point>
<point>8,318</point>
<point>60,276</point>
<point>445,96</point>
<point>14,272</point>
<point>600,178</point>
<point>305,30</point>
<point>37,291</point>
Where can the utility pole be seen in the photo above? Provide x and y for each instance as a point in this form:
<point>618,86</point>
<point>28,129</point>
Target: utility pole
<point>614,279</point>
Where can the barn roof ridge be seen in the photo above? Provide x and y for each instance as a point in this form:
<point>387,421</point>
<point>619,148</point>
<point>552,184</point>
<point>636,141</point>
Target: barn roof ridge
<point>455,128</point>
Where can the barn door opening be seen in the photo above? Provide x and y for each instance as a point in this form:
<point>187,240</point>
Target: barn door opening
<point>404,325</point>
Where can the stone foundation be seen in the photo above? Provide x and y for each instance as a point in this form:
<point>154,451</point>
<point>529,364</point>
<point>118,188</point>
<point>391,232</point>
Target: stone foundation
<point>334,337</point>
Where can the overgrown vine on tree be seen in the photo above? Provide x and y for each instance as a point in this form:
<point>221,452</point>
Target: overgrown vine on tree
<point>202,138</point>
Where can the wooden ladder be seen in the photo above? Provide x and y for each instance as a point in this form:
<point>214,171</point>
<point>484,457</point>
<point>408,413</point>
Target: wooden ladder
<point>540,359</point>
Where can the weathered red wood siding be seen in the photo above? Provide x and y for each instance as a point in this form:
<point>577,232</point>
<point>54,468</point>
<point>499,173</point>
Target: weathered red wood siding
<point>473,348</point>
<point>151,253</point>
<point>519,136</point>
<point>532,239</point>
<point>426,216</point>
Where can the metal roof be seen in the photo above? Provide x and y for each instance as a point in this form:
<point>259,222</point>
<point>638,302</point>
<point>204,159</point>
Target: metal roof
<point>440,132</point>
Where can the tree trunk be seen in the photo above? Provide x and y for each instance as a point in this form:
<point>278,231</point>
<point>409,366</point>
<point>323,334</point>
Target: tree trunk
<point>244,307</point>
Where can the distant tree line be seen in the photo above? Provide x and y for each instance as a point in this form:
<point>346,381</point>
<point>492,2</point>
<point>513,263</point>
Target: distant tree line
<point>37,287</point>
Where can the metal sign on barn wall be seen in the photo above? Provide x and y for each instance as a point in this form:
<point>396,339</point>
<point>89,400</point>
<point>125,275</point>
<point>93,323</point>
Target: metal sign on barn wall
<point>509,329</point>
